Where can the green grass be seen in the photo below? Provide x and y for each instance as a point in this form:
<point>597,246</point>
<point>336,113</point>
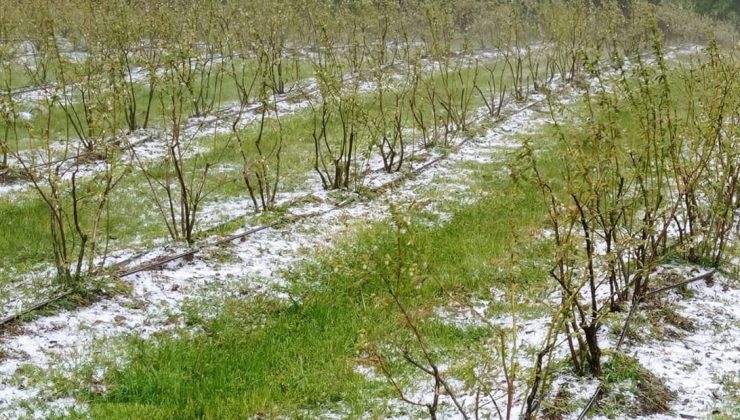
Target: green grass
<point>295,357</point>
<point>630,388</point>
<point>25,233</point>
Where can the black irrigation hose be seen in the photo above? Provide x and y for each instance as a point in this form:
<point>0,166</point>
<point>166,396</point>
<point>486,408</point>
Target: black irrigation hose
<point>627,322</point>
<point>155,264</point>
<point>704,276</point>
<point>35,307</point>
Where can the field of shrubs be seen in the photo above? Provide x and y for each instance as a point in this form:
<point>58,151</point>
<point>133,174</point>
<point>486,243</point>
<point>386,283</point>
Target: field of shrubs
<point>369,208</point>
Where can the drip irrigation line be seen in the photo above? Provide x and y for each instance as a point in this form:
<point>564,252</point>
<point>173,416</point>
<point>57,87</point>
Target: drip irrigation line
<point>35,307</point>
<point>704,276</point>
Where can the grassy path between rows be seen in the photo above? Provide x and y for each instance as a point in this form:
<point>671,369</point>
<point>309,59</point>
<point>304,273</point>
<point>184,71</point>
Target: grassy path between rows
<point>298,357</point>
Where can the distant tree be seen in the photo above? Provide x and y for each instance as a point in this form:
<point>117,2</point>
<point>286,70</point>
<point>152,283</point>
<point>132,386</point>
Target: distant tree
<point>624,5</point>
<point>723,9</point>
<point>728,10</point>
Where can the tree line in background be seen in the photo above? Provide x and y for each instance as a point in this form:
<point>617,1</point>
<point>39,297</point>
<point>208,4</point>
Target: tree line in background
<point>721,9</point>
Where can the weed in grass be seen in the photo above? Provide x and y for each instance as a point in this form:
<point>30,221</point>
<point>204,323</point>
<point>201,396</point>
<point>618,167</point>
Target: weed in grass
<point>730,406</point>
<point>630,388</point>
<point>560,406</point>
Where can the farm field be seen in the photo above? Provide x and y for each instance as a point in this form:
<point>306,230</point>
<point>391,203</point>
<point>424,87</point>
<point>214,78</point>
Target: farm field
<point>369,209</point>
